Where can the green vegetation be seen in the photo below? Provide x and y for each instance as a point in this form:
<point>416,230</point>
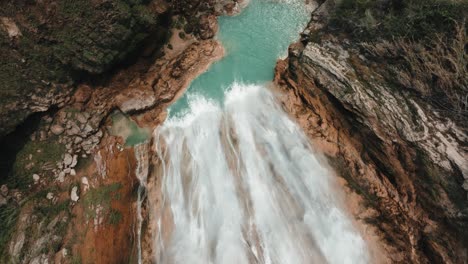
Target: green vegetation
<point>87,42</point>
<point>102,196</point>
<point>412,19</point>
<point>115,216</point>
<point>76,260</point>
<point>50,211</point>
<point>420,43</point>
<point>8,217</point>
<point>79,38</point>
<point>31,158</point>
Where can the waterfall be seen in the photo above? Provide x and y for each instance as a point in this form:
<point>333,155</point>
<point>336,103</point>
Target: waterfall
<point>141,172</point>
<point>242,184</point>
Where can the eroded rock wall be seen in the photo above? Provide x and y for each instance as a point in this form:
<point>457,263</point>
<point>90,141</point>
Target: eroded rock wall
<point>406,160</point>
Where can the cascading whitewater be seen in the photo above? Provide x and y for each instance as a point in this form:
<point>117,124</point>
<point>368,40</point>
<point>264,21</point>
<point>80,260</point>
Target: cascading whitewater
<point>141,172</point>
<point>241,184</point>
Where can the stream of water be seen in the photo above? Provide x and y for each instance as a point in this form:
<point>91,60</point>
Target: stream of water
<point>240,181</point>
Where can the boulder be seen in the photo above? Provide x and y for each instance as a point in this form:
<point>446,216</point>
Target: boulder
<point>74,194</point>
<point>68,159</point>
<point>208,26</point>
<point>56,129</point>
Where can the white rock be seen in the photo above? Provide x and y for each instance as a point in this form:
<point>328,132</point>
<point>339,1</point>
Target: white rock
<point>61,177</point>
<point>78,140</point>
<point>17,244</point>
<point>85,183</point>
<point>72,172</point>
<point>50,196</point>
<point>10,26</point>
<point>68,159</point>
<point>36,177</point>
<point>81,118</point>
<point>74,161</point>
<point>74,194</point>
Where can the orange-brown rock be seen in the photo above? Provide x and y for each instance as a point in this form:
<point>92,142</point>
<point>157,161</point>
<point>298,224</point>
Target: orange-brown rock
<point>394,151</point>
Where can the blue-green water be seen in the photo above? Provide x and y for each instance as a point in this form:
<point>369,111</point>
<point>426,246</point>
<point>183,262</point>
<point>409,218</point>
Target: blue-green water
<point>126,128</point>
<point>253,41</point>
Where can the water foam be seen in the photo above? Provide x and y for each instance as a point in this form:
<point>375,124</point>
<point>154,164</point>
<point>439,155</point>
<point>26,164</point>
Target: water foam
<point>243,185</point>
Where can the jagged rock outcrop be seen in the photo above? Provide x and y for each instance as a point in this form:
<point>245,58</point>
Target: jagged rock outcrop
<point>47,46</point>
<point>405,159</point>
<point>67,162</point>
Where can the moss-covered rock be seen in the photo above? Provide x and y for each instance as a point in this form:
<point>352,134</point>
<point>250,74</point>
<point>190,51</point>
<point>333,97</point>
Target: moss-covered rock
<point>60,42</point>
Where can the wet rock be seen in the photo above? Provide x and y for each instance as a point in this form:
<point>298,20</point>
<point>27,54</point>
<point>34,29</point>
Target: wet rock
<point>208,26</point>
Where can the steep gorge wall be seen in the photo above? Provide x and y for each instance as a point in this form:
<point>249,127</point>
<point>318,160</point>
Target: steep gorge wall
<point>68,184</point>
<point>406,159</point>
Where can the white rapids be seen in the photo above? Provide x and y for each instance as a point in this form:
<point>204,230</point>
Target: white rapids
<point>242,184</point>
<point>141,172</point>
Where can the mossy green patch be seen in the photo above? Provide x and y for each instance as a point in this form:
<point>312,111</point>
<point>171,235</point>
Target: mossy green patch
<point>31,159</point>
<point>413,19</point>
<point>8,217</point>
<point>115,216</point>
<point>101,196</point>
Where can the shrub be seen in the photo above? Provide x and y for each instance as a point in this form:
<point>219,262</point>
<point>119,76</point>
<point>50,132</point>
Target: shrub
<point>413,19</point>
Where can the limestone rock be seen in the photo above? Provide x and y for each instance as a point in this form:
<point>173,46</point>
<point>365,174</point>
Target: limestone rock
<point>74,161</point>
<point>407,160</point>
<point>68,159</point>
<point>36,177</point>
<point>208,26</point>
<point>85,183</point>
<point>50,196</point>
<point>57,129</point>
<point>74,194</point>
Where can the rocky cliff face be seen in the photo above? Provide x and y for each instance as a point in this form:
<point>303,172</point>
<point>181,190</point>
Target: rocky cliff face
<point>66,180</point>
<point>400,153</point>
<point>47,47</point>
